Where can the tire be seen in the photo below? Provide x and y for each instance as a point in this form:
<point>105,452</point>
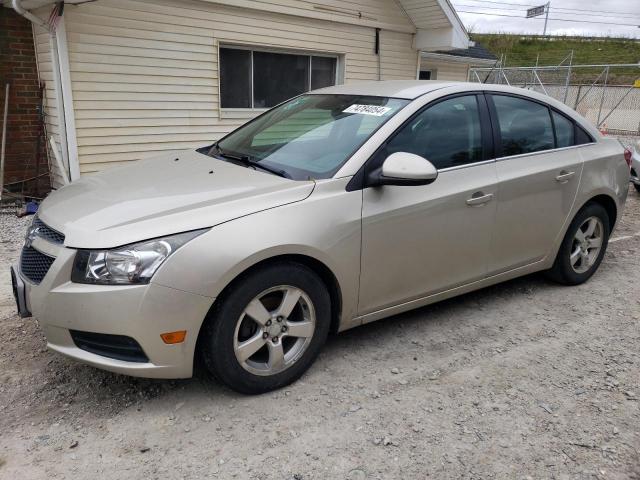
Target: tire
<point>230,334</point>
<point>637,187</point>
<point>568,273</point>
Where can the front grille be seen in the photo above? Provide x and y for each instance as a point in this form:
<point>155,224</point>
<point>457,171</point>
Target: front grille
<point>117,347</point>
<point>47,232</point>
<point>34,265</point>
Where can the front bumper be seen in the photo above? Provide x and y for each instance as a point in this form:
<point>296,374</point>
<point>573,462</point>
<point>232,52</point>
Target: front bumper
<point>141,312</point>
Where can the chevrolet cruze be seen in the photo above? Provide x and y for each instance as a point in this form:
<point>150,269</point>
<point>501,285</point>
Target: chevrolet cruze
<point>334,209</point>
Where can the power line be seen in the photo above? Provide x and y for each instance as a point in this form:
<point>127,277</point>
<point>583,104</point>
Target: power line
<point>526,6</point>
<point>504,3</point>
<point>620,15</point>
<point>558,19</point>
<point>626,14</point>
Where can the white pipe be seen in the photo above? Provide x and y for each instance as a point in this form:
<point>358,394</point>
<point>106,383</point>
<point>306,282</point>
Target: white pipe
<point>20,10</point>
<point>59,164</point>
<point>4,137</point>
<point>62,81</point>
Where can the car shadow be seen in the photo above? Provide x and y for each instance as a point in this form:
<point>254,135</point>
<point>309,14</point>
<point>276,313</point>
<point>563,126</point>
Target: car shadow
<point>68,386</point>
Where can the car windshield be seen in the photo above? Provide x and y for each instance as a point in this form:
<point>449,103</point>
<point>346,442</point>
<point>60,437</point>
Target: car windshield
<point>311,136</point>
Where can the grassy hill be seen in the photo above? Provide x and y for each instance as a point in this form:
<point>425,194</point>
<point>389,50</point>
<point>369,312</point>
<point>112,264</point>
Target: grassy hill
<point>525,50</point>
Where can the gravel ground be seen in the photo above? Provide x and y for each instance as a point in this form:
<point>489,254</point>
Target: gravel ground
<point>521,380</point>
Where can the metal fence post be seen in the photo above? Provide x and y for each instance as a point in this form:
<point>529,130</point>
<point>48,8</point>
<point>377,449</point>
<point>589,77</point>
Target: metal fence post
<point>568,80</point>
<point>604,86</point>
<point>5,118</point>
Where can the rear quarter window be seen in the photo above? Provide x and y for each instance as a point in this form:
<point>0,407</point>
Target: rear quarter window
<point>564,130</point>
<point>581,136</point>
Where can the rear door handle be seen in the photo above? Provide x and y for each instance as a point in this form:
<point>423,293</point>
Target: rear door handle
<point>479,198</point>
<point>564,176</point>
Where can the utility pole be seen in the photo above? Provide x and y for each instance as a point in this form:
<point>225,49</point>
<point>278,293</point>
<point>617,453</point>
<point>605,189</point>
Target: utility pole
<point>546,18</point>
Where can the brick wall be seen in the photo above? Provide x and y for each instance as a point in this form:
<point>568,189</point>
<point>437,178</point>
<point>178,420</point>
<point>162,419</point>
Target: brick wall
<point>18,68</point>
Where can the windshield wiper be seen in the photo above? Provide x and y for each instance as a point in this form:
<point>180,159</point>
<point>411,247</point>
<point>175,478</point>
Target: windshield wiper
<point>248,162</point>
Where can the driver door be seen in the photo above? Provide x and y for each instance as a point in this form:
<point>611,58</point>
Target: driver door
<point>422,240</point>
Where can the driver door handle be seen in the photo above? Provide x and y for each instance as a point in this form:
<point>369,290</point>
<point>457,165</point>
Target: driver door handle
<point>564,176</point>
<point>479,198</point>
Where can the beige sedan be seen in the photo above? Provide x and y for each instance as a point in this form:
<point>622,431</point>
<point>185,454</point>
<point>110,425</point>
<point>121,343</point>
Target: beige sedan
<point>337,208</point>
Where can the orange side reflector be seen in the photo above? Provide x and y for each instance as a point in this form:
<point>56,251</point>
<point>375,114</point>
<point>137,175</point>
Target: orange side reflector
<point>171,338</point>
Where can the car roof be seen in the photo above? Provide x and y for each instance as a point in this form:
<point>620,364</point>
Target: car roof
<point>408,89</point>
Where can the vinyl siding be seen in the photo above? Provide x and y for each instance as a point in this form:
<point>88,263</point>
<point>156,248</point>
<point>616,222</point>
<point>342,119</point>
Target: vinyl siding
<point>45,72</point>
<point>446,70</point>
<point>145,74</point>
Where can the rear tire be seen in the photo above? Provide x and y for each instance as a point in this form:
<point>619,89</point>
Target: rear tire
<point>583,246</point>
<point>637,187</point>
<point>267,329</point>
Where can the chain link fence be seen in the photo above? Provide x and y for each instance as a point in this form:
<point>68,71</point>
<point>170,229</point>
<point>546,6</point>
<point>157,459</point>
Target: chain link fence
<point>613,108</point>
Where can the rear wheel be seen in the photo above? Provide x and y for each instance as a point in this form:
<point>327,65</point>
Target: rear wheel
<point>267,330</point>
<point>583,247</point>
<point>637,187</point>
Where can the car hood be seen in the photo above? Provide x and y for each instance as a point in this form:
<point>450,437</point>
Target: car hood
<point>161,196</point>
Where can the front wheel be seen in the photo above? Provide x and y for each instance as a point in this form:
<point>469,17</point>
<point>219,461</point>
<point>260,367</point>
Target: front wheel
<point>637,187</point>
<point>267,330</point>
<point>583,247</point>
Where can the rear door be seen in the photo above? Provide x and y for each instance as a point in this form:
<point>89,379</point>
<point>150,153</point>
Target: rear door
<point>538,173</point>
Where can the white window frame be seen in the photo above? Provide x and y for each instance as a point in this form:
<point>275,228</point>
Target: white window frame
<point>241,112</point>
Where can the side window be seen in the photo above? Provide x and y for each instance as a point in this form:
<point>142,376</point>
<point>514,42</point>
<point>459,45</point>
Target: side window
<point>525,126</point>
<point>582,137</point>
<point>447,133</point>
<point>564,130</point>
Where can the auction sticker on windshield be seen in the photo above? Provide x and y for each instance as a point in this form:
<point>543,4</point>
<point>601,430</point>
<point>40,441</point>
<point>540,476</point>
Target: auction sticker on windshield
<point>374,110</point>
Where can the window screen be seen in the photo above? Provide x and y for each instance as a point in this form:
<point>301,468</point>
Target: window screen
<point>323,72</point>
<point>254,79</point>
<point>278,77</point>
<point>564,130</point>
<point>235,78</point>
<point>447,134</point>
<point>525,126</point>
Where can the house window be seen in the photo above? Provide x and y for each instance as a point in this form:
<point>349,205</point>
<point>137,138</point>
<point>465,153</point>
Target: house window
<point>261,79</point>
<point>427,75</point>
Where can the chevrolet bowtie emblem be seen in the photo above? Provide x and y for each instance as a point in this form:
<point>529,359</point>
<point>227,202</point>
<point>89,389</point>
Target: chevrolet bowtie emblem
<point>32,233</point>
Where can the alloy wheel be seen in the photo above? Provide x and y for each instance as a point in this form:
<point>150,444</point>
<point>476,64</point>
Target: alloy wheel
<point>587,244</point>
<point>274,330</point>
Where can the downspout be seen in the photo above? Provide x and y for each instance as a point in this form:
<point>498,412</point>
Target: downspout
<point>20,10</point>
<point>63,85</point>
<point>377,52</point>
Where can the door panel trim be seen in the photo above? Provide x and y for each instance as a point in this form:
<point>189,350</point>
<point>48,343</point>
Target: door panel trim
<point>542,152</point>
<point>449,293</point>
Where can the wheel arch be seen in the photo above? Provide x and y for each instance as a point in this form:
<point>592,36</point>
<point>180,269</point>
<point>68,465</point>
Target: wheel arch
<point>320,268</point>
<point>608,203</point>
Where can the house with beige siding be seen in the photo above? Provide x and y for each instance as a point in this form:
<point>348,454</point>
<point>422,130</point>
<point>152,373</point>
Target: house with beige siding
<point>127,79</point>
<point>454,65</point>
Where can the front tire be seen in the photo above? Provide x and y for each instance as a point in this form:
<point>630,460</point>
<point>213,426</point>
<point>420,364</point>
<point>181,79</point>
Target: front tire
<point>583,247</point>
<point>637,187</point>
<point>267,329</point>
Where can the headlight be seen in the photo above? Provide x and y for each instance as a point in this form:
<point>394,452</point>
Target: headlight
<point>131,264</point>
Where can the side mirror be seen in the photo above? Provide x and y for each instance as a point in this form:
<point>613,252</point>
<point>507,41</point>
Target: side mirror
<point>402,168</point>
